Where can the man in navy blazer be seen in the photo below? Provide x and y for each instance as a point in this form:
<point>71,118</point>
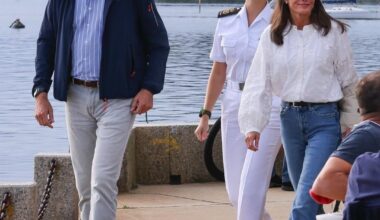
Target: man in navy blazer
<point>108,58</point>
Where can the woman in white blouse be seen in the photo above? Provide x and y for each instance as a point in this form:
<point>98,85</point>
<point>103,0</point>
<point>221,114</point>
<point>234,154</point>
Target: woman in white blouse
<point>305,58</point>
<point>247,173</point>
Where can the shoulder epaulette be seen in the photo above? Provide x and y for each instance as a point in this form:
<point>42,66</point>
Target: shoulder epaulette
<point>228,12</point>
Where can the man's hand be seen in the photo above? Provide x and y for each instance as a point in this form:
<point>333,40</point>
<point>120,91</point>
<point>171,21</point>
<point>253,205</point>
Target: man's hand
<point>252,140</point>
<point>44,110</point>
<point>202,130</point>
<point>142,102</point>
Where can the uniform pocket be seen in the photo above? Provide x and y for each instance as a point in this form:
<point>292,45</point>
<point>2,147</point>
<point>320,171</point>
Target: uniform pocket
<point>228,42</point>
<point>229,45</point>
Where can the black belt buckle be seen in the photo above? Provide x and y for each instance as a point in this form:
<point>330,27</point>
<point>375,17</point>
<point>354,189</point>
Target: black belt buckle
<point>241,86</point>
<point>296,104</point>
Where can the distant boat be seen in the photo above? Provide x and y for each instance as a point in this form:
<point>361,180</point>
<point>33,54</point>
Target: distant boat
<point>17,24</point>
<point>348,9</point>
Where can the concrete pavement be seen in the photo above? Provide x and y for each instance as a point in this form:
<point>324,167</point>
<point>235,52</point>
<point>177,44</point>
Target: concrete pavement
<point>198,201</point>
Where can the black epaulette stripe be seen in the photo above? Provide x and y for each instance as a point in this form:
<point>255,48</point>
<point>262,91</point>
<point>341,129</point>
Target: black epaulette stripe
<point>228,12</point>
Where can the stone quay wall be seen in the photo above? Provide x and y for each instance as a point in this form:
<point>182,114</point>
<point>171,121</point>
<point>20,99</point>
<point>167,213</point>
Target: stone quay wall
<point>156,154</point>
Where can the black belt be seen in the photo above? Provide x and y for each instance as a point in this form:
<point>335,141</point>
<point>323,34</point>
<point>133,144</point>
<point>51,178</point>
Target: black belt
<point>86,83</point>
<point>305,104</point>
<point>241,86</point>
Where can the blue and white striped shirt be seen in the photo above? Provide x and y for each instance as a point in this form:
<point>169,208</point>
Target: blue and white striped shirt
<point>87,43</point>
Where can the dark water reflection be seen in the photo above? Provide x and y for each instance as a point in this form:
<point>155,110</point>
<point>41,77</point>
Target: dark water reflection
<point>190,36</point>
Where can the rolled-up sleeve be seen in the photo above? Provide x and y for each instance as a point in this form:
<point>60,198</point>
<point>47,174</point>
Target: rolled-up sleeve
<point>347,77</point>
<point>256,100</point>
<point>217,54</point>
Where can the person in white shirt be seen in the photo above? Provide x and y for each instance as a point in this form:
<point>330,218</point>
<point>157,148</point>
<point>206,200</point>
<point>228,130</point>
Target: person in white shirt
<point>247,173</point>
<point>305,58</point>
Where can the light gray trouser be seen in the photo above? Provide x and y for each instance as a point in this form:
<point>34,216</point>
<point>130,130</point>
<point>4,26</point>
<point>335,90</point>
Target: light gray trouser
<point>98,132</point>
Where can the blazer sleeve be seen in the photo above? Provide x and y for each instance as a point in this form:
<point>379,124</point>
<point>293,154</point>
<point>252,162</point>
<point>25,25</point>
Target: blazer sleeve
<point>156,45</point>
<point>44,62</point>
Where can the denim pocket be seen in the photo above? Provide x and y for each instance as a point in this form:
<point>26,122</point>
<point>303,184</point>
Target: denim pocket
<point>284,109</point>
<point>325,110</point>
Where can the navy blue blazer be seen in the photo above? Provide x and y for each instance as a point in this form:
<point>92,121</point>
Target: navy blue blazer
<point>135,48</point>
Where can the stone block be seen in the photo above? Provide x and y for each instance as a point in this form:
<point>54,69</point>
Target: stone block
<point>22,202</point>
<point>187,155</point>
<point>153,144</point>
<point>63,202</point>
<point>172,154</point>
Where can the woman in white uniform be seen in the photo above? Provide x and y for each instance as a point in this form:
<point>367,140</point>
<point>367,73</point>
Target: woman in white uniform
<point>247,173</point>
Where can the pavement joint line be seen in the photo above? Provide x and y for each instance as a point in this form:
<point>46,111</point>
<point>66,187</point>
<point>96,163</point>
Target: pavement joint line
<point>181,197</point>
<point>171,206</point>
<point>287,201</point>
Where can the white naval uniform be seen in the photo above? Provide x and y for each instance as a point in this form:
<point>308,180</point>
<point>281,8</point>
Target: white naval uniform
<point>247,173</point>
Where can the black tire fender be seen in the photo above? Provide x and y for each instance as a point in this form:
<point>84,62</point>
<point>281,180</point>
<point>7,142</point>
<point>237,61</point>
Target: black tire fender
<point>208,152</point>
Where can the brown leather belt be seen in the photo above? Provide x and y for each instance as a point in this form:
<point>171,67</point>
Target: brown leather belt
<point>91,84</point>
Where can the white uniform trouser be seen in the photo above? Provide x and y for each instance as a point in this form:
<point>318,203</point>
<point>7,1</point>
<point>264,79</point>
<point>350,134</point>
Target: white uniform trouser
<point>98,132</point>
<point>331,216</point>
<point>247,173</point>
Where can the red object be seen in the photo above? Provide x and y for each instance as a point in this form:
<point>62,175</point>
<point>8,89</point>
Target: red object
<point>150,7</point>
<point>320,199</point>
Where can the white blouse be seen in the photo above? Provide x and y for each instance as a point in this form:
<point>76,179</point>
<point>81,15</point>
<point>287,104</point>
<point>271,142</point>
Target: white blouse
<point>235,43</point>
<point>308,67</point>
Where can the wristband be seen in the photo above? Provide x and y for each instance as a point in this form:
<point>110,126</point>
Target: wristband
<point>204,112</point>
<point>37,91</point>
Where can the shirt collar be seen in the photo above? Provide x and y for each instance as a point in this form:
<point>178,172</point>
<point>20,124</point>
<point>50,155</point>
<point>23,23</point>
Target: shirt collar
<point>243,12</point>
<point>265,14</point>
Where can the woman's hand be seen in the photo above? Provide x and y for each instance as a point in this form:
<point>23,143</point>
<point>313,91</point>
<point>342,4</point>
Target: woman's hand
<point>252,140</point>
<point>202,130</point>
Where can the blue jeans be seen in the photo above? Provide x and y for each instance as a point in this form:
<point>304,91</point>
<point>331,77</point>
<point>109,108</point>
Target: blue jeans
<point>310,134</point>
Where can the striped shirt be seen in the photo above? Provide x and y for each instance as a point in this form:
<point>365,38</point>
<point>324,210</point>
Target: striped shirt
<point>87,44</point>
